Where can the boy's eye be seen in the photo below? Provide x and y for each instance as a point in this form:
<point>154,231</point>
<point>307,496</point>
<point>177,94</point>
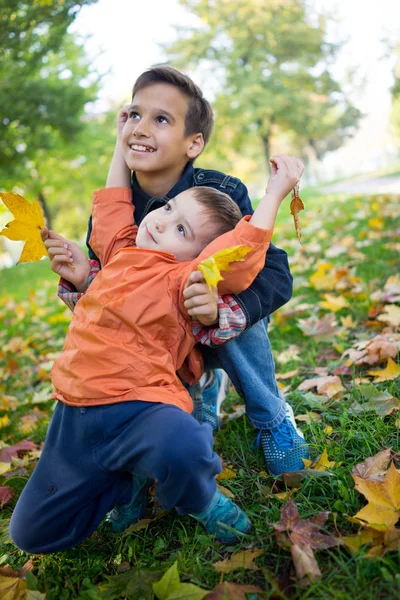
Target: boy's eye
<point>133,114</point>
<point>167,207</point>
<point>161,119</point>
<point>181,230</point>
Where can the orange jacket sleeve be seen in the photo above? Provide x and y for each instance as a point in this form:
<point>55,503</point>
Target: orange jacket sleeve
<point>113,225</point>
<point>241,274</point>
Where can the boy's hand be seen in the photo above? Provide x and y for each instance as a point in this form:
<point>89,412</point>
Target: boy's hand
<point>286,173</point>
<point>123,116</point>
<point>200,302</point>
<point>67,259</point>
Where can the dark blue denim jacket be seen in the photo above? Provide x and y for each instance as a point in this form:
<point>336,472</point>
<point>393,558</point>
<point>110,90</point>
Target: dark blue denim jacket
<point>273,285</point>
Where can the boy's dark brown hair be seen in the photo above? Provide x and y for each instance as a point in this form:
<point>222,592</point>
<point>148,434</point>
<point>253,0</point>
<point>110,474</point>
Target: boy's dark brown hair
<point>199,117</point>
<point>224,213</point>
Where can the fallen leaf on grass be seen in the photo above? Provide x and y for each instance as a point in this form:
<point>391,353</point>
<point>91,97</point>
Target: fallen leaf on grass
<point>310,417</point>
<point>12,583</point>
<point>16,450</point>
<point>287,375</point>
<point>143,523</point>
<point>294,479</point>
<point>348,322</point>
<point>305,563</point>
<point>27,224</point>
<point>329,385</point>
<point>383,498</point>
<point>225,491</point>
<point>240,560</point>
<point>322,463</point>
<point>135,583</point>
<point>6,493</point>
<point>391,371</point>
<point>291,353</point>
<point>333,303</point>
<point>170,588</point>
<point>323,278</point>
<point>374,467</point>
<point>390,292</point>
<point>303,536</point>
<point>4,421</point>
<point>227,473</point>
<point>234,591</point>
<point>383,402</point>
<point>380,542</point>
<point>314,401</point>
<point>323,330</point>
<point>390,315</point>
<point>373,351</point>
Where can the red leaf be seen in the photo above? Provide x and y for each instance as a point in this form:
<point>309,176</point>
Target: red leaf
<point>6,494</point>
<point>9,451</point>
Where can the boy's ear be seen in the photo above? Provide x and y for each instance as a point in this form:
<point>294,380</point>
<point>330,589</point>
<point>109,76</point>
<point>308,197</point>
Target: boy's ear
<point>196,146</point>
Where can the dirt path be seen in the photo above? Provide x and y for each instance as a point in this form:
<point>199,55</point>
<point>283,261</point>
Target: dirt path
<point>366,185</point>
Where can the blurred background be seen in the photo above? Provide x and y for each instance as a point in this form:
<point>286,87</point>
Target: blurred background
<point>316,78</point>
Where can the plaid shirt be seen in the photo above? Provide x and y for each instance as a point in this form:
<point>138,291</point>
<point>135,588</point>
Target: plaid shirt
<point>232,320</point>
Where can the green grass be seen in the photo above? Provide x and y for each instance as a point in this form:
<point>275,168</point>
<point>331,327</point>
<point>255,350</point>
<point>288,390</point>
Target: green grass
<point>32,328</point>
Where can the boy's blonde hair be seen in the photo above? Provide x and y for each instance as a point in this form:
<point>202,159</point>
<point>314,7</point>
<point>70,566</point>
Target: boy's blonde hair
<point>199,117</point>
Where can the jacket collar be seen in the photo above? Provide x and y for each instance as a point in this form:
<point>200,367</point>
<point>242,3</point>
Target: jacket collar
<point>144,203</point>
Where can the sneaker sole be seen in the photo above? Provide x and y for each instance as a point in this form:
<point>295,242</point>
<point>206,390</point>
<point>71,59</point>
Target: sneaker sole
<point>223,390</point>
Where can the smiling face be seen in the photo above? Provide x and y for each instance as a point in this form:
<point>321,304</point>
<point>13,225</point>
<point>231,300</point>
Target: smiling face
<point>181,227</point>
<point>153,137</point>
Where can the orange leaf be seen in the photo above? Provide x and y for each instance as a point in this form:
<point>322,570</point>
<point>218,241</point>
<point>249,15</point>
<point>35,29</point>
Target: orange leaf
<point>296,206</point>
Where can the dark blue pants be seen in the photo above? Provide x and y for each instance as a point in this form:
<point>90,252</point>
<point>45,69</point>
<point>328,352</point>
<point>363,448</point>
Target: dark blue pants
<point>87,463</point>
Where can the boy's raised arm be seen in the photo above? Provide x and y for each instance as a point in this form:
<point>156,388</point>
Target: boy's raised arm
<point>119,174</point>
<point>256,230</point>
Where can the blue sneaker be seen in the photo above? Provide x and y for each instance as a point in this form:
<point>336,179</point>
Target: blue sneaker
<point>284,446</point>
<point>222,511</point>
<point>214,387</point>
<point>127,514</point>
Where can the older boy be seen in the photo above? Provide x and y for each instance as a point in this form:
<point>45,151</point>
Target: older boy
<point>168,124</point>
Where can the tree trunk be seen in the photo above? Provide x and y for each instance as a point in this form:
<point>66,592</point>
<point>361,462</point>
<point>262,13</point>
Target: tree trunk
<point>45,209</point>
<point>267,149</point>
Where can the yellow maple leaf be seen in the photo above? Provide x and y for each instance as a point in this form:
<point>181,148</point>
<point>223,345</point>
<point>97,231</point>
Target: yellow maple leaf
<point>322,463</point>
<point>212,266</point>
<point>347,322</point>
<point>226,473</point>
<point>4,421</point>
<point>391,371</point>
<point>383,498</point>
<point>333,303</point>
<point>27,224</point>
<point>244,559</point>
<point>390,315</point>
<point>323,278</point>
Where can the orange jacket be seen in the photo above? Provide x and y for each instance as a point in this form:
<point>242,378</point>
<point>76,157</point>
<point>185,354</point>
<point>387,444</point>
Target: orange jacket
<point>130,332</point>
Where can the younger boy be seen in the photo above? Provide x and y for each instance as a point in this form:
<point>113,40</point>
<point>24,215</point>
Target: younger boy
<point>167,126</point>
<point>122,410</point>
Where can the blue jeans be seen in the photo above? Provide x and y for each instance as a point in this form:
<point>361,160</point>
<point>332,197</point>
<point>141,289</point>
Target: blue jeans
<point>248,361</point>
<point>87,463</point>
